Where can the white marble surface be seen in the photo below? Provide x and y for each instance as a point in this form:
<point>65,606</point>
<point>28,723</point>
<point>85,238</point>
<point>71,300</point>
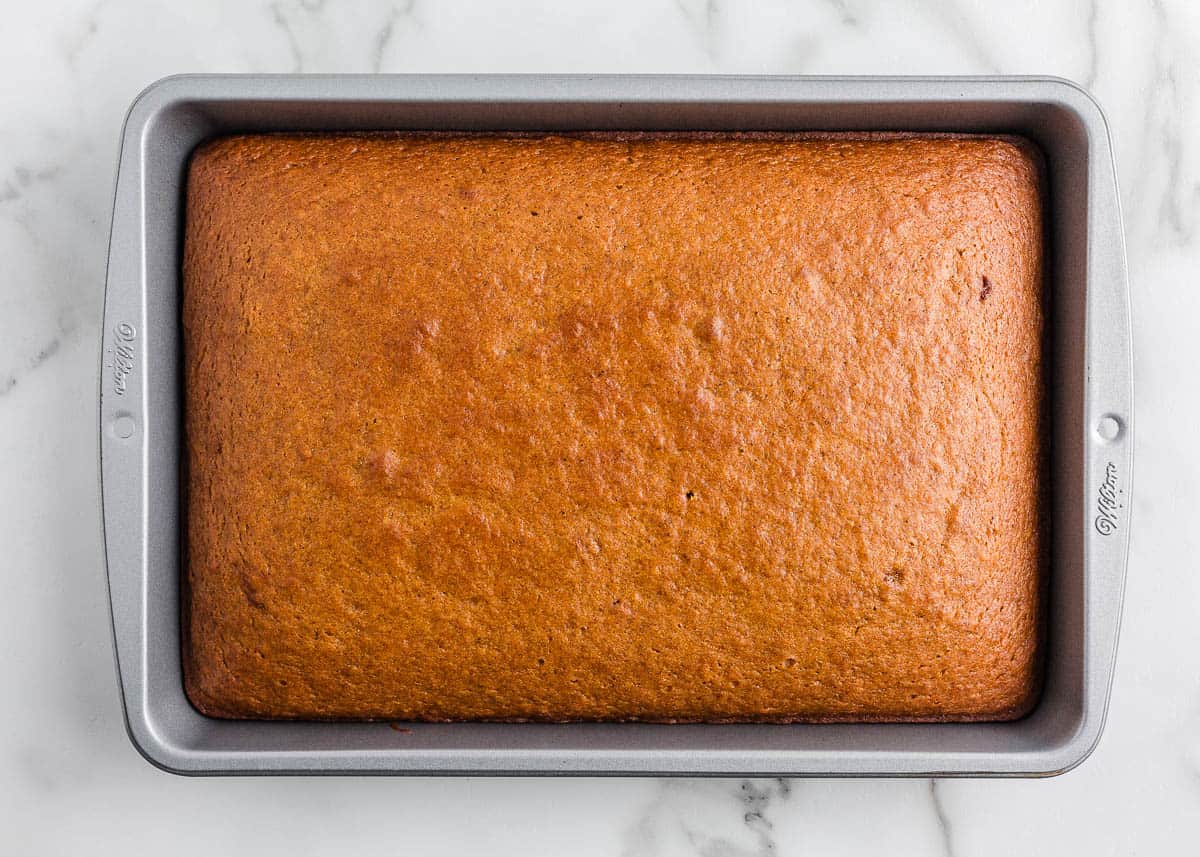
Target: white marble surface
<point>69,781</point>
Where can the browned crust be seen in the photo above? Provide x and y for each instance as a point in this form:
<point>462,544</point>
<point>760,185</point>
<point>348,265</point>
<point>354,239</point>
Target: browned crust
<point>418,569</point>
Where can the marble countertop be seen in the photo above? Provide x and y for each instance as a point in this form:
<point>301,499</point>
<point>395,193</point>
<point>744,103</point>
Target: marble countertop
<point>69,780</point>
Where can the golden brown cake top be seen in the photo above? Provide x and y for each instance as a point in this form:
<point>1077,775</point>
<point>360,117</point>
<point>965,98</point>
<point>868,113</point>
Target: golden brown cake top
<point>653,428</point>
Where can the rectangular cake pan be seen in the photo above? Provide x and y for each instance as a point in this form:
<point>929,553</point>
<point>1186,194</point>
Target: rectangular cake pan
<point>1090,405</point>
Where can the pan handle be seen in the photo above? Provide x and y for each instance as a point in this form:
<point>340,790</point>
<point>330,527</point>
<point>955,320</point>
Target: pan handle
<point>1108,416</point>
<point>123,428</point>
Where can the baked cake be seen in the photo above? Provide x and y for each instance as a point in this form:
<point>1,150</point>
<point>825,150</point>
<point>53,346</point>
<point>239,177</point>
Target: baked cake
<point>613,427</point>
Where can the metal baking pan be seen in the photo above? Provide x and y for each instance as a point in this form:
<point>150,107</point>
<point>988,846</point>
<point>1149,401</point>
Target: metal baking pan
<point>1090,406</point>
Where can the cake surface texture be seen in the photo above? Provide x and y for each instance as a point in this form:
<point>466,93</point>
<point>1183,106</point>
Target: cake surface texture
<point>707,428</point>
